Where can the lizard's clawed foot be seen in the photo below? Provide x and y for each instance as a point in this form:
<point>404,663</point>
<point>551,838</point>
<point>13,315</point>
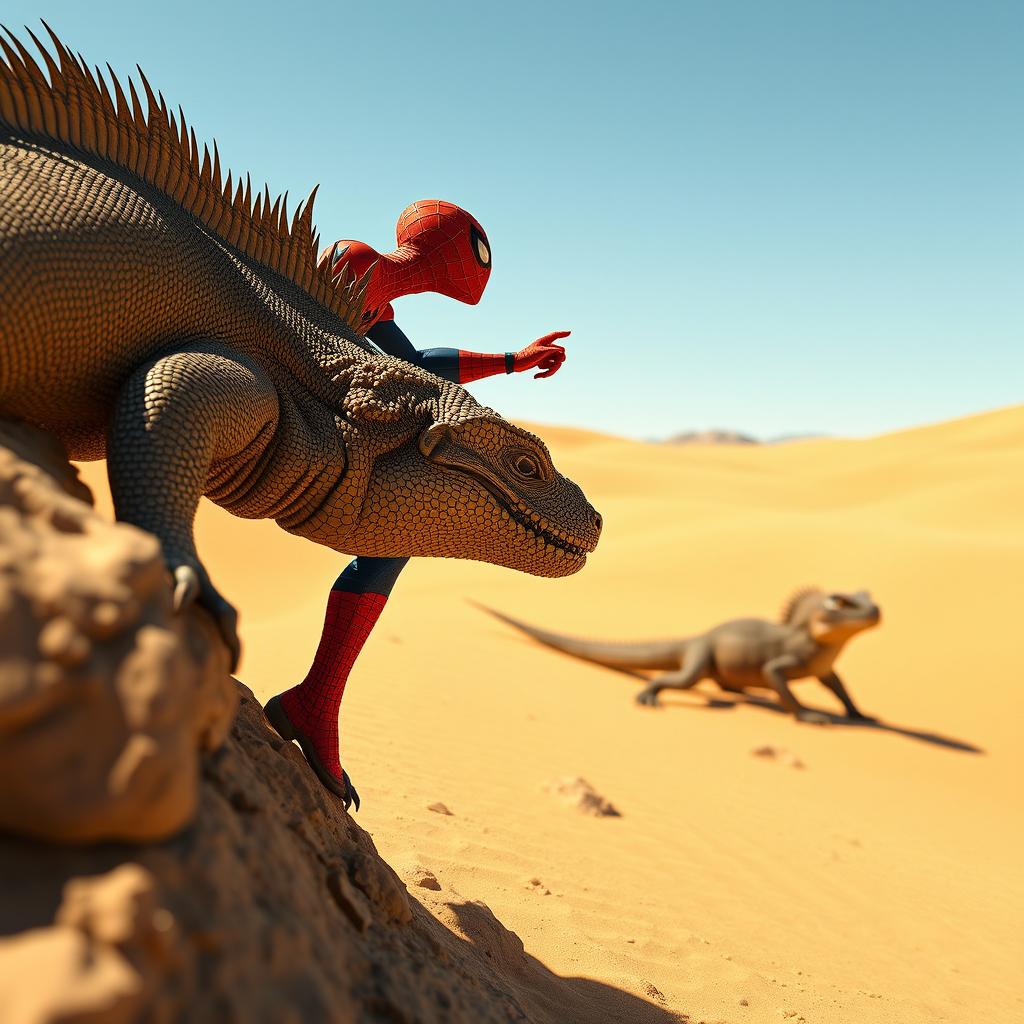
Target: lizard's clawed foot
<point>351,795</point>
<point>859,716</point>
<point>812,717</point>
<point>278,718</point>
<point>648,697</point>
<point>192,584</point>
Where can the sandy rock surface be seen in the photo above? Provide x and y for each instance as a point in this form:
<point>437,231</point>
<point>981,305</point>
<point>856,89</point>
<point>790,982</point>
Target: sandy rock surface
<point>273,906</point>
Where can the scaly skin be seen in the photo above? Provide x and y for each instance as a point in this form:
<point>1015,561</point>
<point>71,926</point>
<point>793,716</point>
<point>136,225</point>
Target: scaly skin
<point>744,654</point>
<point>154,316</point>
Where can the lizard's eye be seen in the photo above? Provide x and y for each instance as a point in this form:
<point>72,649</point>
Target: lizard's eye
<point>526,466</point>
<point>837,603</point>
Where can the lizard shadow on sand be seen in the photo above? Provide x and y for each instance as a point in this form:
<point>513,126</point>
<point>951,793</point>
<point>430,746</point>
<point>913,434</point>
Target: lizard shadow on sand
<point>730,701</point>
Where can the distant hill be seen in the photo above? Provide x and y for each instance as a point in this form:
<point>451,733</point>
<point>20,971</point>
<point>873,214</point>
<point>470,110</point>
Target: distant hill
<point>732,437</point>
<point>711,437</point>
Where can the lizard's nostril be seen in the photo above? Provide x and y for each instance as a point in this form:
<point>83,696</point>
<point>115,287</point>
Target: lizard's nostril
<point>598,521</point>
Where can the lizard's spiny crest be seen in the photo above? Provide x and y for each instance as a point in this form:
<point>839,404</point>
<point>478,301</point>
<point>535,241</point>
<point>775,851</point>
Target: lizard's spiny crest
<point>798,607</point>
<point>76,109</point>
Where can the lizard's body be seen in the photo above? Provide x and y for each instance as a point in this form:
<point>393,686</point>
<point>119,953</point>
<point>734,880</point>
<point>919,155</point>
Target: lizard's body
<point>743,654</point>
<point>156,315</point>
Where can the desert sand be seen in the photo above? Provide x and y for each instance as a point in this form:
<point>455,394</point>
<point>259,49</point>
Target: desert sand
<point>867,874</point>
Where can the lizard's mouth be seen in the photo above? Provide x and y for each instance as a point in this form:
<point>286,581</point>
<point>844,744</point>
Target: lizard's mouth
<point>544,531</point>
<point>530,526</point>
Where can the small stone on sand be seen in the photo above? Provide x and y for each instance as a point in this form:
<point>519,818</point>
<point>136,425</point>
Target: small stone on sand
<point>786,757</point>
<point>578,793</point>
<point>425,879</point>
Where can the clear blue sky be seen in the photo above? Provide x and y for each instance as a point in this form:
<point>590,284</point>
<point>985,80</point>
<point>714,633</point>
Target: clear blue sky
<point>774,217</point>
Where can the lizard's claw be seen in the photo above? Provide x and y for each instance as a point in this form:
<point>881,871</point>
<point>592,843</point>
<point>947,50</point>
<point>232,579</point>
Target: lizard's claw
<point>192,585</point>
<point>186,586</point>
<point>649,698</point>
<point>861,717</point>
<point>351,796</point>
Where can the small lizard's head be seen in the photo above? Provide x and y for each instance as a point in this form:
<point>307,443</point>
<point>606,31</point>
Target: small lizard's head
<point>839,616</point>
<point>474,486</point>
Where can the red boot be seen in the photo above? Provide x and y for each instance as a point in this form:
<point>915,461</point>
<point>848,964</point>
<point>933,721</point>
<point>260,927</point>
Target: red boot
<point>309,712</point>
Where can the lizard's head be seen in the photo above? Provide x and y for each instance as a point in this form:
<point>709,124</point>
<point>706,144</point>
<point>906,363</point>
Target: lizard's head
<point>838,616</point>
<point>511,506</point>
<point>463,485</point>
<point>429,472</point>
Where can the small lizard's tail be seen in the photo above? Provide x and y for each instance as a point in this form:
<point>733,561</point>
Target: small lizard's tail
<point>658,654</point>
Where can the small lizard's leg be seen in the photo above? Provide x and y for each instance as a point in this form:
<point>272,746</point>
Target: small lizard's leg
<point>774,673</point>
<point>175,418</point>
<point>696,662</point>
<point>835,684</point>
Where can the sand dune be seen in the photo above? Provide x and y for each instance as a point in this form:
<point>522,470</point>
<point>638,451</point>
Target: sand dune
<point>879,883</point>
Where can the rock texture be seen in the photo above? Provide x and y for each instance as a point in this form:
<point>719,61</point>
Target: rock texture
<point>106,696</point>
<point>273,906</point>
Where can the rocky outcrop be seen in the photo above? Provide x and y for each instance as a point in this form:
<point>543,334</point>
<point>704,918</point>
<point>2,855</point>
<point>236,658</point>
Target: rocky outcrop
<point>272,906</point>
<point>106,696</point>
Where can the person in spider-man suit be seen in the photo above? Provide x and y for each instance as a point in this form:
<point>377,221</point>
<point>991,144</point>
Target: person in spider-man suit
<point>441,248</point>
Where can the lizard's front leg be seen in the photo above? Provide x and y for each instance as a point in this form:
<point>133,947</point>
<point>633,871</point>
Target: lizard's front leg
<point>774,672</point>
<point>835,684</point>
<point>176,417</point>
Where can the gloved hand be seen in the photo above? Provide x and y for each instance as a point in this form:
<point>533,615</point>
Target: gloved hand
<point>542,353</point>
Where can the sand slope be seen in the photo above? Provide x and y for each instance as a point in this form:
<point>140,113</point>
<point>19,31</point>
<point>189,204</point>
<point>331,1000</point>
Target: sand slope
<point>881,882</point>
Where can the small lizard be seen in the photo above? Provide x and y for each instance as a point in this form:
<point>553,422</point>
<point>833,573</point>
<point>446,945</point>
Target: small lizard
<point>741,654</point>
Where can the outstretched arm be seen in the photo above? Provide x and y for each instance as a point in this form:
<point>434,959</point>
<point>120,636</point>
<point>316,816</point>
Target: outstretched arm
<point>462,367</point>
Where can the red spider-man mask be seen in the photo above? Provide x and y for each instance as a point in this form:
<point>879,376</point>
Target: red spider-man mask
<point>441,248</point>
